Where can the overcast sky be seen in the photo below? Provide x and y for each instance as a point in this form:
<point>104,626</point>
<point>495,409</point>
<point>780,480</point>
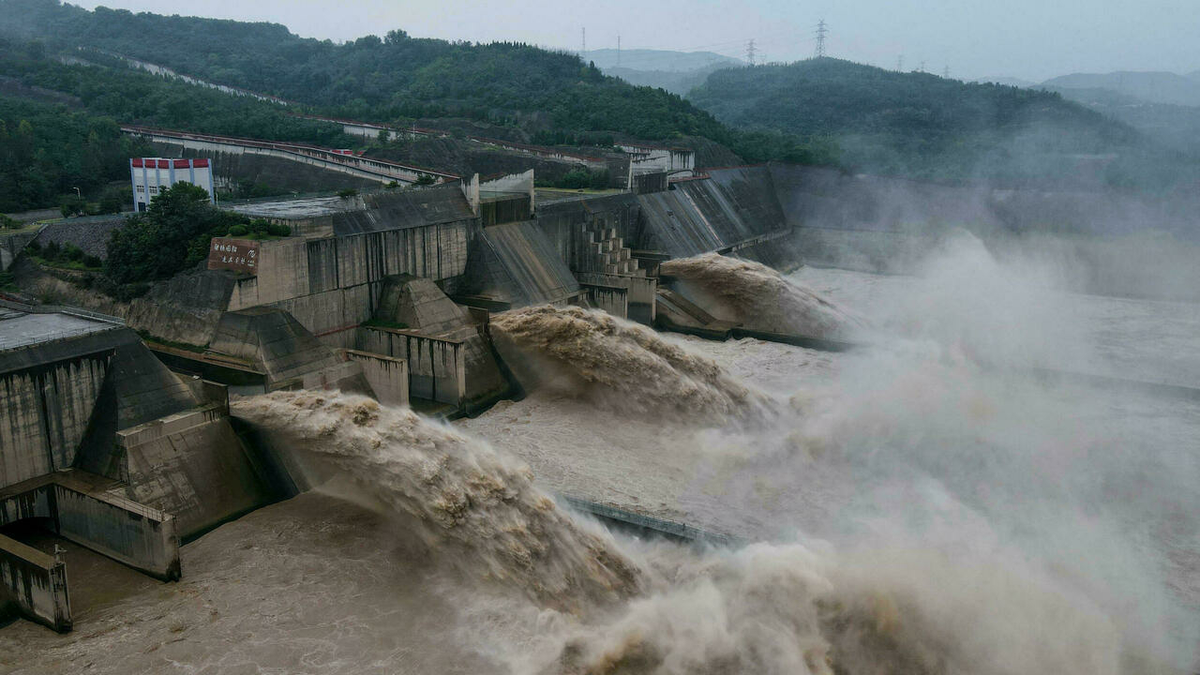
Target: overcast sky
<point>1030,39</point>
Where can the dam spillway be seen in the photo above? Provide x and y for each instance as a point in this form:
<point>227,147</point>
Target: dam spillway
<point>843,431</point>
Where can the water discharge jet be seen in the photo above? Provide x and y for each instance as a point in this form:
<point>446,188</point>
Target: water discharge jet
<point>759,298</point>
<point>461,499</point>
<point>619,365</point>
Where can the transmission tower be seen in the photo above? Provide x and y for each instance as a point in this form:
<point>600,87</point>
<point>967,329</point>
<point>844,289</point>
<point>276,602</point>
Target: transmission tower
<point>582,41</point>
<point>618,51</point>
<point>946,72</point>
<point>822,30</point>
<point>750,52</point>
<point>900,63</point>
<point>922,68</point>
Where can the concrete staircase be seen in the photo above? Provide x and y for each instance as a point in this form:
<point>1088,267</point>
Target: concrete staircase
<point>604,252</point>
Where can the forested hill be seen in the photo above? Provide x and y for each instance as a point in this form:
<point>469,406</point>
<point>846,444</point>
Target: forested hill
<point>916,124</point>
<point>374,78</point>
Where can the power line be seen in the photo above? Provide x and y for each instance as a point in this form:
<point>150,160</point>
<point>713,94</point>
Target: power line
<point>821,31</point>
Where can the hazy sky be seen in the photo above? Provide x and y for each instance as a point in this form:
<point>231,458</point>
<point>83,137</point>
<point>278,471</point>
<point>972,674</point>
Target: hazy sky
<point>1031,39</point>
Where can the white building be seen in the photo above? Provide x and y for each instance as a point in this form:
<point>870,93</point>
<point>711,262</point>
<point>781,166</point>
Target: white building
<point>151,175</point>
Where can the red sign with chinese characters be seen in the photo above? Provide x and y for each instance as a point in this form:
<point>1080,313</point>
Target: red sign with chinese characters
<point>233,254</point>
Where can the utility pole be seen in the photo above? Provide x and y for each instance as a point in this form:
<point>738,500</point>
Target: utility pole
<point>750,51</point>
<point>821,31</point>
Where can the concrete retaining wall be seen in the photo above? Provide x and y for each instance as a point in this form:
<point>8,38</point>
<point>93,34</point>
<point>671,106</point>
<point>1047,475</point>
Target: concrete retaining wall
<point>19,504</point>
<point>128,532</point>
<point>387,376</point>
<point>11,245</point>
<point>35,583</point>
<point>332,285</point>
<point>437,368</point>
<point>611,299</point>
<point>192,465</point>
<point>642,296</point>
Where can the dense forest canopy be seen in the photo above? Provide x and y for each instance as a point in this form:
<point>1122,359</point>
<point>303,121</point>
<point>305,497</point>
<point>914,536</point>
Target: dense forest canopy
<point>394,77</point>
<point>46,151</point>
<point>919,124</point>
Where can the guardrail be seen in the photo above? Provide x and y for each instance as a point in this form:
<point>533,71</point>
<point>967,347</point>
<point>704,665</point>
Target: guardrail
<point>60,309</point>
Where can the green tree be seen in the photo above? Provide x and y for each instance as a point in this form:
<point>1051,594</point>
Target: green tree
<point>172,236</point>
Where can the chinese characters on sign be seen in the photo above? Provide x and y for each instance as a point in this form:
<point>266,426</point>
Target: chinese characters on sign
<point>233,254</point>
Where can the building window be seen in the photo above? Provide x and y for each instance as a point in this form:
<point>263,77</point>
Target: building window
<point>141,188</point>
<point>153,190</point>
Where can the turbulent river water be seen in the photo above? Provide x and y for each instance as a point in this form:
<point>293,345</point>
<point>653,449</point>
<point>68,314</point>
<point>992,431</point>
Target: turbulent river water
<point>930,503</point>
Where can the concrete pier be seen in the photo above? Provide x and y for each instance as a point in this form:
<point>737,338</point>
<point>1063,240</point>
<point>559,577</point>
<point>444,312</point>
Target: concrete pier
<point>90,511</point>
<point>35,583</point>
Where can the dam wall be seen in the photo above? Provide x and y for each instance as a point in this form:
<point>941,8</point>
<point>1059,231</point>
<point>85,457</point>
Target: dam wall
<point>517,264</point>
<point>295,267</point>
<point>332,284</point>
<point>728,210</point>
<point>50,389</point>
<point>35,584</point>
<point>458,371</point>
<point>640,292</point>
<point>82,393</point>
<point>273,341</point>
<point>567,224</point>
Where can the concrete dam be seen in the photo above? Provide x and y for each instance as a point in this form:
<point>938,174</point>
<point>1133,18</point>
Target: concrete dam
<point>246,435</point>
<point>126,446</point>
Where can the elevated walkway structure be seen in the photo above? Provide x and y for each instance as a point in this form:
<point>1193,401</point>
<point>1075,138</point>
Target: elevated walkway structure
<point>380,170</point>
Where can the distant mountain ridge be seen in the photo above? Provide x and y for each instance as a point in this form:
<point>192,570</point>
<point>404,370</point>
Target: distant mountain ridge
<point>1154,87</point>
<point>1006,81</point>
<point>659,60</point>
<point>676,72</point>
<point>917,124</point>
